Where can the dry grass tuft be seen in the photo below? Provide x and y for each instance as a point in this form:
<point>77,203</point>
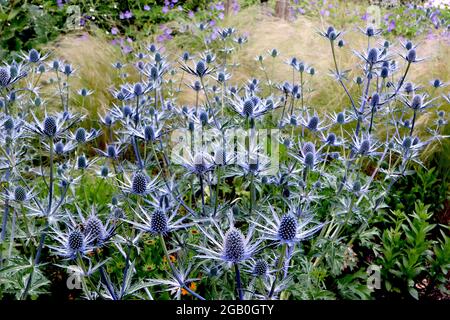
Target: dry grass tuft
<point>92,57</point>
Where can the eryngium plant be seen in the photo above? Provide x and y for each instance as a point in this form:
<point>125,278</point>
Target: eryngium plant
<point>88,200</point>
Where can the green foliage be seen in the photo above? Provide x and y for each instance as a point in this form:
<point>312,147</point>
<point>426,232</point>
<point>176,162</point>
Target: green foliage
<point>427,186</point>
<point>408,254</point>
<point>29,24</point>
<point>24,25</point>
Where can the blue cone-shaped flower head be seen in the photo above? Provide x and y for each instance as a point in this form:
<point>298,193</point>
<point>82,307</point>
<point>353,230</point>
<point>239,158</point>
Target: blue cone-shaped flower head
<point>411,56</point>
<point>313,123</point>
<point>75,241</point>
<point>364,147</point>
<point>308,147</point>
<point>20,194</point>
<point>94,229</point>
<point>5,76</point>
<point>139,183</point>
<point>80,135</point>
<point>34,55</point>
<point>200,68</point>
<point>372,56</point>
<point>260,268</point>
<point>159,222</point>
<point>248,107</point>
<point>234,246</point>
<point>50,126</point>
<point>288,227</point>
<point>416,102</point>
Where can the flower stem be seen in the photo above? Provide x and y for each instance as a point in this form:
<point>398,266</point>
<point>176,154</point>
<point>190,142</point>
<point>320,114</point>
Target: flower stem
<point>174,271</point>
<point>238,282</point>
<point>47,224</point>
<point>279,266</point>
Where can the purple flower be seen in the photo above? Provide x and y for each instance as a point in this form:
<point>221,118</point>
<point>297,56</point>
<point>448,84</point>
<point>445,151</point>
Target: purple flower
<point>220,7</point>
<point>364,17</point>
<point>391,25</point>
<point>191,14</point>
<point>126,49</point>
<point>235,6</point>
<point>114,31</point>
<point>165,9</point>
<point>125,15</point>
<point>147,7</point>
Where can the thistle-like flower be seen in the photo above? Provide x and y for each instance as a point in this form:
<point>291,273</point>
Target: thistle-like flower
<point>71,243</point>
<point>139,184</point>
<point>201,69</point>
<point>158,221</point>
<point>231,247</point>
<point>287,229</point>
<point>52,126</point>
